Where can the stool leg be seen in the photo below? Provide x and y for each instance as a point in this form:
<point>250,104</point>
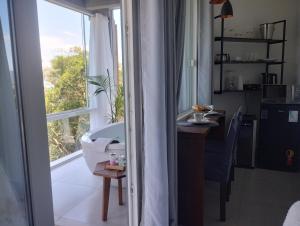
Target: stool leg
<point>120,192</point>
<point>105,198</point>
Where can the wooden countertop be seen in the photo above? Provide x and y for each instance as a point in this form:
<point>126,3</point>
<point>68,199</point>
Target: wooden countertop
<point>193,129</point>
<point>196,129</point>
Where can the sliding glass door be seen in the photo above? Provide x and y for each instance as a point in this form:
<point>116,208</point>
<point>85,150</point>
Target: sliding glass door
<point>14,203</point>
<point>25,192</point>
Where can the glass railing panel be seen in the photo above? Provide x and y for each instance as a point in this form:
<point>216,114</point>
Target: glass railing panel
<point>64,135</point>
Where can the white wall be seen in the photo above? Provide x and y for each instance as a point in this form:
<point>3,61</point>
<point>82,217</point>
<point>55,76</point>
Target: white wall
<point>248,15</point>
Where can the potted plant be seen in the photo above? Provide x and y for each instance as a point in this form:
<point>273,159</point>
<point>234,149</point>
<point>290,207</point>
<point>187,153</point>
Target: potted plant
<point>105,85</point>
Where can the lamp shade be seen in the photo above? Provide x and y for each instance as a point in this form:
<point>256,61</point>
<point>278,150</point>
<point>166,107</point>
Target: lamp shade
<point>216,2</point>
<point>227,10</point>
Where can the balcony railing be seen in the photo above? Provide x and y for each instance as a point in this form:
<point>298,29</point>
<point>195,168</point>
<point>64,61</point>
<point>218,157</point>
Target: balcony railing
<point>65,130</point>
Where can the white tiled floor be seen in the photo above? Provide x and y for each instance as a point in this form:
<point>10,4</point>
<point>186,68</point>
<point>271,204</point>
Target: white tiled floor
<point>77,197</point>
<point>259,198</point>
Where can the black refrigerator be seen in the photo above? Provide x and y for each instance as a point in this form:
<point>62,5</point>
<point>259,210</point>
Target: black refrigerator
<point>279,137</point>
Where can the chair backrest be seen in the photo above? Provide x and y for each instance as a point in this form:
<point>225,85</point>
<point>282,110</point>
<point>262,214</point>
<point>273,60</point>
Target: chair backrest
<point>231,139</point>
<point>232,134</point>
<point>237,124</point>
<point>236,120</point>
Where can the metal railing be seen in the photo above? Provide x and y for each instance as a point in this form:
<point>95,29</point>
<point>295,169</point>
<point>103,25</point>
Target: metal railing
<point>64,131</point>
<point>68,114</point>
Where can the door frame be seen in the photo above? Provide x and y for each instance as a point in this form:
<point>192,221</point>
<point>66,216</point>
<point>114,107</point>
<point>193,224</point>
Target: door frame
<point>29,66</point>
<point>133,107</point>
<point>27,59</point>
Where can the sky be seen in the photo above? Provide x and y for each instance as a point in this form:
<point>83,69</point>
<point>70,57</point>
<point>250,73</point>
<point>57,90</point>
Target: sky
<point>4,23</point>
<point>60,29</point>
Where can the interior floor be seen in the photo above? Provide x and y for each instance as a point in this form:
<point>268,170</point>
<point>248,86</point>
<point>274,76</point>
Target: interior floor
<point>259,198</point>
<point>77,197</point>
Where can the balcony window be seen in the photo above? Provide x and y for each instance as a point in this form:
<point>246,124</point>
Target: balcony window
<point>64,36</point>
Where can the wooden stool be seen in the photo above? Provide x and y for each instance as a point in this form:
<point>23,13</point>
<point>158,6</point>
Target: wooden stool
<point>107,176</point>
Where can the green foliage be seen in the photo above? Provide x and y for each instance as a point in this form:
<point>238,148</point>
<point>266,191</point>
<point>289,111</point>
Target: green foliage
<point>119,104</point>
<point>116,102</point>
<point>67,74</point>
<point>64,136</point>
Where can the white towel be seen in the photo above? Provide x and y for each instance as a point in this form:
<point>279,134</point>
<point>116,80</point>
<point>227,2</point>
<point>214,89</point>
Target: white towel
<point>116,146</point>
<point>293,216</point>
<point>100,144</point>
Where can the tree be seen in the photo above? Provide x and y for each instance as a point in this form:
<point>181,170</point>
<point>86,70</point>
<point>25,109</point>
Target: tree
<point>67,74</point>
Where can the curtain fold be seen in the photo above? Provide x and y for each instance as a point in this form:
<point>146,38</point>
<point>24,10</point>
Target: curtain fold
<point>155,203</point>
<point>205,52</point>
<point>162,44</point>
<point>188,72</point>
<point>100,60</point>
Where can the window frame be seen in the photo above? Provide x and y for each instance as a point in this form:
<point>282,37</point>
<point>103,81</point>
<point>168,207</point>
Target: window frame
<point>88,108</point>
<point>29,74</point>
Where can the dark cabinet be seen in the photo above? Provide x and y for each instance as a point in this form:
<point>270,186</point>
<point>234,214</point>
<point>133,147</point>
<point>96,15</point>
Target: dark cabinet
<point>246,148</point>
<point>279,139</point>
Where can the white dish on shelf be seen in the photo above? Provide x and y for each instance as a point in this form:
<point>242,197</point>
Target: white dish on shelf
<point>269,60</point>
<point>212,113</point>
<point>204,121</point>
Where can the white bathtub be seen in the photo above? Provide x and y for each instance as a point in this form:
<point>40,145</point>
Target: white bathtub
<point>115,131</point>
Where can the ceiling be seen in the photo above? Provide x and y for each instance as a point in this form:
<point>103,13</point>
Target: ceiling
<point>100,4</point>
<point>88,6</point>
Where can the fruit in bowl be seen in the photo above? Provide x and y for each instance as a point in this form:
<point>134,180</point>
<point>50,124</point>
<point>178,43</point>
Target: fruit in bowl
<point>201,108</point>
<point>198,108</point>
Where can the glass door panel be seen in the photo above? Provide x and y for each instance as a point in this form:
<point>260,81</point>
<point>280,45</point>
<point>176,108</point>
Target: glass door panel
<point>14,205</point>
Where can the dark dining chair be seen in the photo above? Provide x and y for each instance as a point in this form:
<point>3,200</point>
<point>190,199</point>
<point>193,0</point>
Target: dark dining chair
<point>219,162</point>
<point>213,145</point>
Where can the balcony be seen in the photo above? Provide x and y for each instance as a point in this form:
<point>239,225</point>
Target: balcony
<point>77,197</point>
<point>77,193</point>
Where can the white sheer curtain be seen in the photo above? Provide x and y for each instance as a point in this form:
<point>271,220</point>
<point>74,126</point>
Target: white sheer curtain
<point>100,60</point>
<point>156,196</point>
<point>189,70</point>
<point>198,55</point>
<point>205,52</point>
<point>161,47</point>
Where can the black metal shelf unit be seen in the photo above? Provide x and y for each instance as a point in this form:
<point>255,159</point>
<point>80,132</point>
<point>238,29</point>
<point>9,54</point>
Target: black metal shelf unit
<point>268,42</point>
<point>250,40</point>
<point>250,62</point>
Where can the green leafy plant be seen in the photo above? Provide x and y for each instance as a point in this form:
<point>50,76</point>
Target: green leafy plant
<point>116,102</point>
<point>119,103</point>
